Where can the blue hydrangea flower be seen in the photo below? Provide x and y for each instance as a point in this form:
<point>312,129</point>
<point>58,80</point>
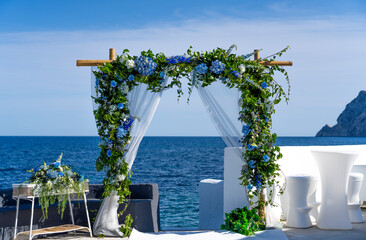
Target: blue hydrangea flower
<point>113,83</point>
<point>264,85</point>
<point>145,65</point>
<point>162,74</point>
<point>120,105</point>
<point>56,164</point>
<point>251,163</point>
<point>109,153</point>
<point>109,143</point>
<point>250,147</point>
<point>265,119</point>
<point>118,77</point>
<point>217,67</point>
<point>126,125</point>
<point>201,68</point>
<point>265,158</point>
<point>177,59</point>
<point>121,132</point>
<point>105,77</point>
<point>52,174</point>
<point>245,130</point>
<point>259,185</point>
<point>172,60</point>
<point>250,186</point>
<point>97,83</point>
<point>235,73</point>
<point>131,77</point>
<point>258,182</point>
<point>60,174</point>
<point>104,98</point>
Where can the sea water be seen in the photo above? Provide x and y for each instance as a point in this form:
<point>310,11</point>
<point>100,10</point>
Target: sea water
<point>176,164</point>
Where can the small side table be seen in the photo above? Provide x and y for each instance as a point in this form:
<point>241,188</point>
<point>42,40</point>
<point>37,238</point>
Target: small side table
<point>334,168</point>
<point>25,191</point>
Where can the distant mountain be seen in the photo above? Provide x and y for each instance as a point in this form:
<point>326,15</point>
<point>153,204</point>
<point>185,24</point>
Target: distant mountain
<point>351,122</point>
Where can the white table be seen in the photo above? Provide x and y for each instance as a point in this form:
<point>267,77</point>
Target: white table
<point>334,168</point>
<point>25,191</point>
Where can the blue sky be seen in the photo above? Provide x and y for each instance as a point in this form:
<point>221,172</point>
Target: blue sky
<point>43,93</point>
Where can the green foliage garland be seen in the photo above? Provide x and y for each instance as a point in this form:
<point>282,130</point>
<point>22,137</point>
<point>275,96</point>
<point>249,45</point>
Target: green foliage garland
<point>259,93</point>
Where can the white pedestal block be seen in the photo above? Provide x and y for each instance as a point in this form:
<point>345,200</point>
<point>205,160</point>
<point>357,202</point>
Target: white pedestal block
<point>234,193</point>
<point>211,204</point>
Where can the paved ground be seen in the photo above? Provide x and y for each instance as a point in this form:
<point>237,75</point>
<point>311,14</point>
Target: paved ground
<point>357,233</point>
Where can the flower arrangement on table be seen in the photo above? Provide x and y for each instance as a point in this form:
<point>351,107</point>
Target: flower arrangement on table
<point>54,182</point>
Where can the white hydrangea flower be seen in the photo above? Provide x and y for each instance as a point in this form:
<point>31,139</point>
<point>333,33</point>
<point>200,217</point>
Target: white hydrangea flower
<point>241,68</point>
<point>113,108</point>
<point>120,177</point>
<point>130,63</point>
<point>125,89</point>
<point>124,58</point>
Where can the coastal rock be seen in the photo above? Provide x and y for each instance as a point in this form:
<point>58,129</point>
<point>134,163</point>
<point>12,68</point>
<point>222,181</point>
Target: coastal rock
<point>351,122</point>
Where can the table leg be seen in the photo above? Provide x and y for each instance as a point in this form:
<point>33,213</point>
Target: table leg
<point>87,214</point>
<point>31,221</point>
<point>71,213</point>
<point>16,219</point>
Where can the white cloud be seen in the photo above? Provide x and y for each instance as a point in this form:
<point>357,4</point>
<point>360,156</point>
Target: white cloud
<point>40,67</point>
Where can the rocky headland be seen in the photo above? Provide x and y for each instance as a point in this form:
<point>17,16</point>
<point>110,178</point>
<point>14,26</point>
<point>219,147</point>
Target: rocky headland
<point>351,122</point>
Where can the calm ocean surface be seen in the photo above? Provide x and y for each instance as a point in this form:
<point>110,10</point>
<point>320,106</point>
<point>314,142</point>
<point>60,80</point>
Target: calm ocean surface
<point>176,164</point>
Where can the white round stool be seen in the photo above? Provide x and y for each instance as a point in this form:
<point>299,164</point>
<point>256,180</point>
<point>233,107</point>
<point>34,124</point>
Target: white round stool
<point>354,187</point>
<point>298,209</point>
<point>312,201</point>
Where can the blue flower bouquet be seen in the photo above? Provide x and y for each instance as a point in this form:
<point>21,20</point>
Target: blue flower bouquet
<point>54,182</point>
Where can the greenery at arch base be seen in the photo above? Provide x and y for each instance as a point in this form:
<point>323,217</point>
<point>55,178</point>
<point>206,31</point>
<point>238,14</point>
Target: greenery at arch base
<point>259,93</point>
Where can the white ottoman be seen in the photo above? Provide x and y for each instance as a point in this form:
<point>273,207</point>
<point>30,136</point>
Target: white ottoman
<point>312,200</point>
<point>354,187</point>
<point>211,206</point>
<point>361,169</point>
<point>298,209</point>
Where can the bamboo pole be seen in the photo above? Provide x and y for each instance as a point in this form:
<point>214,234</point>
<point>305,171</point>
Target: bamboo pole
<point>256,54</point>
<point>112,56</point>
<point>261,197</point>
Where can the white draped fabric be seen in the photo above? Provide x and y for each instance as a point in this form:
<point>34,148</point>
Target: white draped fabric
<point>142,104</point>
<point>224,116</point>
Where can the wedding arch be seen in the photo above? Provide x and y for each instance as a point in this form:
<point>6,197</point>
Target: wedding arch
<point>126,91</point>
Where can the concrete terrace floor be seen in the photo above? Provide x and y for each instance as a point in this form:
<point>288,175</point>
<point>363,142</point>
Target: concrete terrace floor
<point>357,233</point>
